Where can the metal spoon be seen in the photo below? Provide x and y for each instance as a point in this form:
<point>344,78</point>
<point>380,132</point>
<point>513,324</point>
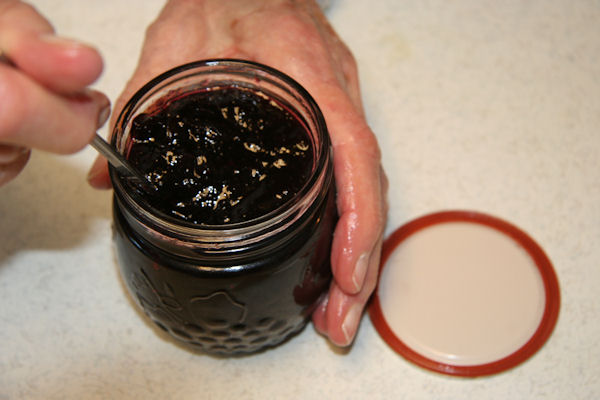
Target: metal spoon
<point>122,165</point>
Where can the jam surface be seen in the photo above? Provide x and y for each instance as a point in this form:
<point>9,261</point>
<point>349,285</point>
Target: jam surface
<point>221,156</point>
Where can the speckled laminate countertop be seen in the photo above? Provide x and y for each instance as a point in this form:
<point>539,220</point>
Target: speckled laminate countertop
<point>490,106</point>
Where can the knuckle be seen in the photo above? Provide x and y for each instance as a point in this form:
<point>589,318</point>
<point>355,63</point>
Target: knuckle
<point>368,144</point>
<point>348,59</point>
<point>350,68</point>
<point>295,26</point>
<point>153,29</point>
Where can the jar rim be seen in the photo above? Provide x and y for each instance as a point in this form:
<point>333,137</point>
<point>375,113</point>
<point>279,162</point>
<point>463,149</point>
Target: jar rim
<point>225,232</point>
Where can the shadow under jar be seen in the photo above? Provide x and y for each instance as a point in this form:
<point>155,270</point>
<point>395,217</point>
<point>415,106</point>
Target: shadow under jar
<point>231,253</point>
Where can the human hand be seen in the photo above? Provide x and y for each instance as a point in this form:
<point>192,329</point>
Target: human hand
<point>44,100</point>
<point>295,38</point>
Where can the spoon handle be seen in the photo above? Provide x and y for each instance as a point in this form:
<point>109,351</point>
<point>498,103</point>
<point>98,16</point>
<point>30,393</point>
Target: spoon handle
<point>121,164</point>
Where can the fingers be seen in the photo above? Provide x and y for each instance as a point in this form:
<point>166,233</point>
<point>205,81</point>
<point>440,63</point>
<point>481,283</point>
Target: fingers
<point>44,100</point>
<point>362,207</point>
<point>45,104</point>
<point>339,314</point>
<point>361,195</point>
<point>32,116</point>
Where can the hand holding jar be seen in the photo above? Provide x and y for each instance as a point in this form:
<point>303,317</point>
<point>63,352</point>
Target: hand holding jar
<point>44,105</point>
<point>295,38</point>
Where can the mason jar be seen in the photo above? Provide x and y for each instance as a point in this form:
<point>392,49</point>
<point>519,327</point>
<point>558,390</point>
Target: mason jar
<point>227,288</point>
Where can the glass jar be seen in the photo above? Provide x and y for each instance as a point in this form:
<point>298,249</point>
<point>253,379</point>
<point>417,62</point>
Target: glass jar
<point>230,288</point>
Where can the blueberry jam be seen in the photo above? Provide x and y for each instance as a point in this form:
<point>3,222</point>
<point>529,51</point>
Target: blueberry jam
<point>221,155</point>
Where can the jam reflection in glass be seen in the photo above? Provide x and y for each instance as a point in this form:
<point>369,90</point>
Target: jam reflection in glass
<point>231,253</point>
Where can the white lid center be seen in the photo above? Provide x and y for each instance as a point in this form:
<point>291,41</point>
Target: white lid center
<point>462,293</point>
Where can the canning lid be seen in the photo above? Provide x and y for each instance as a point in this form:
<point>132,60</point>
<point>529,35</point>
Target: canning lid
<point>464,293</point>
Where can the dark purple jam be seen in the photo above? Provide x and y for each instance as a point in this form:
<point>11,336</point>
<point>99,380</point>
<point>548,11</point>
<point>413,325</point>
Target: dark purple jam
<point>222,155</point>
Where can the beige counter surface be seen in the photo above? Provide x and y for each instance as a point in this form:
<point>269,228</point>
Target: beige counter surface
<point>488,106</point>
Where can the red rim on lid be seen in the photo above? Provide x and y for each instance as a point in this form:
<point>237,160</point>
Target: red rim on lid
<point>464,293</point>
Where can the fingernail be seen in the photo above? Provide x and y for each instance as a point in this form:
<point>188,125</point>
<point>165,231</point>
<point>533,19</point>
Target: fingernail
<point>10,153</point>
<point>350,324</point>
<point>360,271</point>
<point>103,115</point>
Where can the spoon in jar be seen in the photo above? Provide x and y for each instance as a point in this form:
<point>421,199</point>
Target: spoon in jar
<point>122,165</point>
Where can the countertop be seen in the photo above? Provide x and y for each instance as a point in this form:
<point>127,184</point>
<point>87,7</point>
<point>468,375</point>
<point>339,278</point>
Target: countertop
<point>479,105</point>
